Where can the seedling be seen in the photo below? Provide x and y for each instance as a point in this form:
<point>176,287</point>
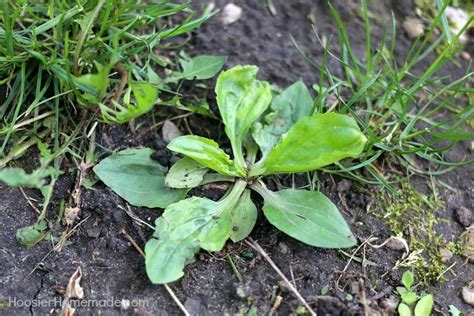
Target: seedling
<point>410,301</point>
<point>291,138</point>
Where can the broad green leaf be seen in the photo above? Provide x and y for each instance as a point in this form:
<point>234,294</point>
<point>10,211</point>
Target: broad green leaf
<point>138,179</point>
<point>287,108</point>
<point>185,173</point>
<point>404,310</point>
<point>409,297</point>
<point>184,228</point>
<point>16,177</point>
<point>314,142</point>
<point>241,99</point>
<point>30,235</point>
<point>243,216</point>
<point>146,96</point>
<point>205,151</point>
<point>307,216</point>
<point>408,279</point>
<point>424,306</point>
<point>202,67</point>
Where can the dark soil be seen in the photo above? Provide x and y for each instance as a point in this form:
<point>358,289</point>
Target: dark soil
<point>112,268</point>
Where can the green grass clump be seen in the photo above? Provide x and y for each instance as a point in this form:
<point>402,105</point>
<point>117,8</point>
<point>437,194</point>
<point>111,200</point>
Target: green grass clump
<point>60,57</point>
<point>409,114</point>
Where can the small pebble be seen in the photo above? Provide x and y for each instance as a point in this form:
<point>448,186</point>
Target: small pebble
<point>446,255</point>
<point>413,27</point>
<point>468,244</point>
<point>194,306</point>
<point>231,14</point>
<point>396,244</point>
<point>344,185</point>
<point>93,232</point>
<point>465,55</point>
<point>283,248</point>
<point>170,131</point>
<point>468,294</point>
<point>464,216</point>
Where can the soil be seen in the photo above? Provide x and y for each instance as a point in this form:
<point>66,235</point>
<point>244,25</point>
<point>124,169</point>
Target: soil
<point>111,266</point>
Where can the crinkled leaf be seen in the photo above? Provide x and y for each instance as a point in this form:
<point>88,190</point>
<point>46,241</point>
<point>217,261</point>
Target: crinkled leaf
<point>205,151</point>
<point>243,216</point>
<point>202,67</point>
<point>314,142</point>
<point>424,306</point>
<point>309,217</point>
<point>30,235</point>
<point>185,173</point>
<point>146,96</point>
<point>133,175</point>
<point>181,231</point>
<point>408,279</point>
<point>287,108</point>
<point>241,99</point>
<point>404,310</point>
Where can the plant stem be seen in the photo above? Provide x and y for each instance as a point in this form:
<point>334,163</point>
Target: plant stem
<point>233,197</point>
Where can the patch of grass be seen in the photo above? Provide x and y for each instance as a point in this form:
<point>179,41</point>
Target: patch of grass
<point>67,64</point>
<point>410,115</point>
<point>59,58</point>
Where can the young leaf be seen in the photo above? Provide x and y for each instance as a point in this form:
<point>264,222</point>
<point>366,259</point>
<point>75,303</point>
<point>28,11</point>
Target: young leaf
<point>314,142</point>
<point>183,229</point>
<point>408,279</point>
<point>30,235</point>
<point>307,216</point>
<point>241,99</point>
<point>138,179</point>
<point>404,310</point>
<point>202,67</point>
<point>185,173</point>
<point>401,290</point>
<point>243,216</point>
<point>99,82</point>
<point>454,311</point>
<point>146,96</point>
<point>424,306</point>
<point>205,151</point>
<point>287,108</point>
<point>409,297</point>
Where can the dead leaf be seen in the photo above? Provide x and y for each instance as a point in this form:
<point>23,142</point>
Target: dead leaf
<point>73,290</point>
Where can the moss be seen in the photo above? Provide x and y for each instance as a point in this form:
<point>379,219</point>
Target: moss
<point>412,215</point>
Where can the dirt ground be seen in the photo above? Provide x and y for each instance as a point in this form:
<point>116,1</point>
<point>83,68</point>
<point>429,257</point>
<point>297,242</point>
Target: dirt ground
<point>112,268</point>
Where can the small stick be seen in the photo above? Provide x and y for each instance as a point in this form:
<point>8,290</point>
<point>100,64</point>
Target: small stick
<point>168,289</point>
<point>29,201</point>
<point>260,250</point>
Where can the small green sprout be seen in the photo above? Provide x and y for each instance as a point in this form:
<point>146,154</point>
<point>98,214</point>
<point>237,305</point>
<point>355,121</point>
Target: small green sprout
<point>410,301</point>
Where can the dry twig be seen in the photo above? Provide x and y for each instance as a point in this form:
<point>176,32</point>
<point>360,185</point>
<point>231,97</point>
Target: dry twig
<point>260,250</point>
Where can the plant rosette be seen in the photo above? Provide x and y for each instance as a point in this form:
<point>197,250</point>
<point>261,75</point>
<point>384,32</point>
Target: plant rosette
<point>269,136</point>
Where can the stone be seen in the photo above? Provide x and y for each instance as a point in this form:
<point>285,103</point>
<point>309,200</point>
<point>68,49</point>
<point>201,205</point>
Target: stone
<point>463,215</point>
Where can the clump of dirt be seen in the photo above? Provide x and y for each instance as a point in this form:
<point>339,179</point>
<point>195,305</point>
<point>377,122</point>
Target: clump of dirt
<point>330,280</point>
